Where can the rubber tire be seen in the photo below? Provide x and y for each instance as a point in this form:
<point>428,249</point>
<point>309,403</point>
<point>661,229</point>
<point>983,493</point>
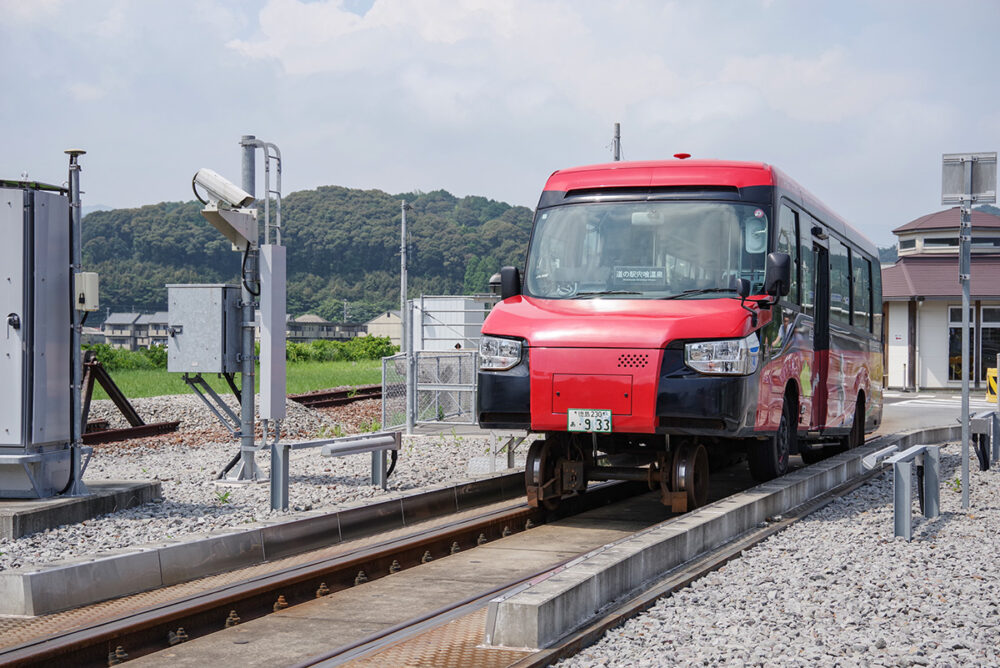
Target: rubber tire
<point>768,459</point>
<point>857,436</point>
<point>813,455</point>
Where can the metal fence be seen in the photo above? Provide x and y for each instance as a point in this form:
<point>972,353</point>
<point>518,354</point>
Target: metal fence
<point>445,386</point>
<point>394,392</point>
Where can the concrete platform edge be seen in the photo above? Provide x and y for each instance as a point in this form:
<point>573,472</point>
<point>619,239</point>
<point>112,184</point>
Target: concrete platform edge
<point>548,610</point>
<point>22,517</point>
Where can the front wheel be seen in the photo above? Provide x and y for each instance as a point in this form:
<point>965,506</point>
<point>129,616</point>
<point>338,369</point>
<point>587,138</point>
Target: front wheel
<point>768,459</point>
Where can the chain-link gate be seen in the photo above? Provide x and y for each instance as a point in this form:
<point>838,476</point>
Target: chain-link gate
<point>394,392</point>
<point>446,387</point>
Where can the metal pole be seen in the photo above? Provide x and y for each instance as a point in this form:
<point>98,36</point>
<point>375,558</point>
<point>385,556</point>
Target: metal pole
<point>965,268</point>
<point>402,276</point>
<point>248,471</point>
<point>411,374</point>
<point>618,142</point>
<point>995,436</point>
<point>77,487</point>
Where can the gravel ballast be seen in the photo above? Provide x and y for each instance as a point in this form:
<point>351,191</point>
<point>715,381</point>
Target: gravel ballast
<point>837,589</point>
<point>186,464</point>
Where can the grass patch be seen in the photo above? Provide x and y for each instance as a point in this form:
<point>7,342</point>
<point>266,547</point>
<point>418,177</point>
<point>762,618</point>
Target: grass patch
<point>302,377</point>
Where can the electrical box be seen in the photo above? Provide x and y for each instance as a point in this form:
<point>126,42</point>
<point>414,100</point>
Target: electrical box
<point>204,323</point>
<point>87,291</point>
<point>34,341</point>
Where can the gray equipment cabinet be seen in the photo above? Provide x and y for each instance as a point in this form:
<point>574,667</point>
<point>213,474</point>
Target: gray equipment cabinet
<point>35,297</point>
<point>204,326</point>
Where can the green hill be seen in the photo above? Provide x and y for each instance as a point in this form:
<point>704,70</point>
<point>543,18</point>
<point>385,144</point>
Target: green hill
<point>343,245</point>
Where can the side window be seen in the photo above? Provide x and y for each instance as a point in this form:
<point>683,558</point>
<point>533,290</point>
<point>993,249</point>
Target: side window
<point>861,287</point>
<point>807,256</point>
<point>877,300</point>
<point>787,242</point>
<point>840,283</point>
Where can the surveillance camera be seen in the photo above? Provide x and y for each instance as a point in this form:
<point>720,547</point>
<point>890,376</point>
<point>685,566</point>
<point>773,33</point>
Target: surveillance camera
<point>220,189</point>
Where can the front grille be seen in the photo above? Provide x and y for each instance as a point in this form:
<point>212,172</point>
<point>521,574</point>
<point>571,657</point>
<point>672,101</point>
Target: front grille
<point>632,360</point>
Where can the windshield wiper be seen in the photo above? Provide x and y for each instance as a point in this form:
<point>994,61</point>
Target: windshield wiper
<point>598,293</point>
<point>698,291</point>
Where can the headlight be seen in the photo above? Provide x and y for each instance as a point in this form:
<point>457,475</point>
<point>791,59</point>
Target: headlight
<point>734,357</point>
<point>496,354</point>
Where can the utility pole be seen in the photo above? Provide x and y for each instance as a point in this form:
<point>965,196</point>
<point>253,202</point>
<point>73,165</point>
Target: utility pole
<point>247,469</point>
<point>617,142</point>
<point>967,178</point>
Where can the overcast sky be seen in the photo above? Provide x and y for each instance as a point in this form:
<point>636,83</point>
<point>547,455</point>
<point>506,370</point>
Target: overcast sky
<point>855,100</point>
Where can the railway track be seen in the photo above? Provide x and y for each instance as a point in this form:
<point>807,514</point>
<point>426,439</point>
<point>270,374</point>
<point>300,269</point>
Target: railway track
<point>304,593</point>
<point>157,627</point>
<point>327,398</point>
<point>98,432</point>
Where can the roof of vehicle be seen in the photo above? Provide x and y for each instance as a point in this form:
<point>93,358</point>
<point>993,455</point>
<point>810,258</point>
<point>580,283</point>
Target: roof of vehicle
<point>662,173</point>
<point>699,173</point>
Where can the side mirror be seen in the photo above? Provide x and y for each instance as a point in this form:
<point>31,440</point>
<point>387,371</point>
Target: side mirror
<point>778,274</point>
<point>743,288</point>
<point>510,282</point>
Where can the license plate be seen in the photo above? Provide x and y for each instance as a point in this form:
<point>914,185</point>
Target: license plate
<point>588,419</point>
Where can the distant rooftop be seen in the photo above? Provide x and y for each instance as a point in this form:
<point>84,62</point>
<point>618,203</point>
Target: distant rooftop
<point>949,219</point>
<point>122,318</point>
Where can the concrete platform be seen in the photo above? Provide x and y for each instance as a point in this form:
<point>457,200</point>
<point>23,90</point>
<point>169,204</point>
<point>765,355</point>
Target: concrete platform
<point>548,610</point>
<point>21,517</point>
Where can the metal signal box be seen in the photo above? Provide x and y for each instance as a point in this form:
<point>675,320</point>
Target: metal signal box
<point>204,322</point>
<point>35,318</point>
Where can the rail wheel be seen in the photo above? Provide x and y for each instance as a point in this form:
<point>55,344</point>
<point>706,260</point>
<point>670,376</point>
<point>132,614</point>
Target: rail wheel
<point>540,475</point>
<point>769,458</point>
<point>690,473</point>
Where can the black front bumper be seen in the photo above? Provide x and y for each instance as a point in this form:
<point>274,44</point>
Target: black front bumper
<point>503,399</point>
<point>688,402</point>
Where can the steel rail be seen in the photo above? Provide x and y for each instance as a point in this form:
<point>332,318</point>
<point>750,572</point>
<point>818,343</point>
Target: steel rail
<point>327,398</point>
<point>128,433</point>
<point>687,573</point>
<point>147,630</point>
<point>679,578</point>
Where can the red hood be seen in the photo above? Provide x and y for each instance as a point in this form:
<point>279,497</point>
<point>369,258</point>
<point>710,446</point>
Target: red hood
<point>617,323</point>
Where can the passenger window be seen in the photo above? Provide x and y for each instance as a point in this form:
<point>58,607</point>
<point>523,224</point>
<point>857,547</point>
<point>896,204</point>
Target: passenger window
<point>840,283</point>
<point>787,242</point>
<point>807,257</point>
<point>877,301</point>
<point>861,284</point>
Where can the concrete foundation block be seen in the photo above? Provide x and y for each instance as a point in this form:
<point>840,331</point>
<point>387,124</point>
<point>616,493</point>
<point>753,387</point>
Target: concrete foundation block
<point>192,559</point>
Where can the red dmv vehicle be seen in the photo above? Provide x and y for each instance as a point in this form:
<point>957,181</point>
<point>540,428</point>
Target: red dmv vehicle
<point>670,309</point>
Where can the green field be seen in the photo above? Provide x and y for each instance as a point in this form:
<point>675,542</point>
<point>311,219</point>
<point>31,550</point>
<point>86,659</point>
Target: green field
<point>302,377</point>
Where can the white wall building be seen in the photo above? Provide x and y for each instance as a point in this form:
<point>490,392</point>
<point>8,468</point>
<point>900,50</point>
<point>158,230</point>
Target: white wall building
<point>923,302</point>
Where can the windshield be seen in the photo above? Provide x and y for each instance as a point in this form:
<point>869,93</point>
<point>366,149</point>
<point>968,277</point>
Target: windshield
<point>646,250</point>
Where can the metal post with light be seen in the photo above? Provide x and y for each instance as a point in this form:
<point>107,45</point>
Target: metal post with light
<point>967,179</point>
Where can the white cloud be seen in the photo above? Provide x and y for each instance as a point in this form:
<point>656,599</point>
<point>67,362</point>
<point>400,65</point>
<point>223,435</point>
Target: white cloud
<point>828,88</point>
<point>84,92</point>
<point>29,11</point>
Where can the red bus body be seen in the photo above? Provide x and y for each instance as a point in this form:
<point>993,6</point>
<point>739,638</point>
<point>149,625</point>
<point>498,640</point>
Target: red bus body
<point>629,356</point>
